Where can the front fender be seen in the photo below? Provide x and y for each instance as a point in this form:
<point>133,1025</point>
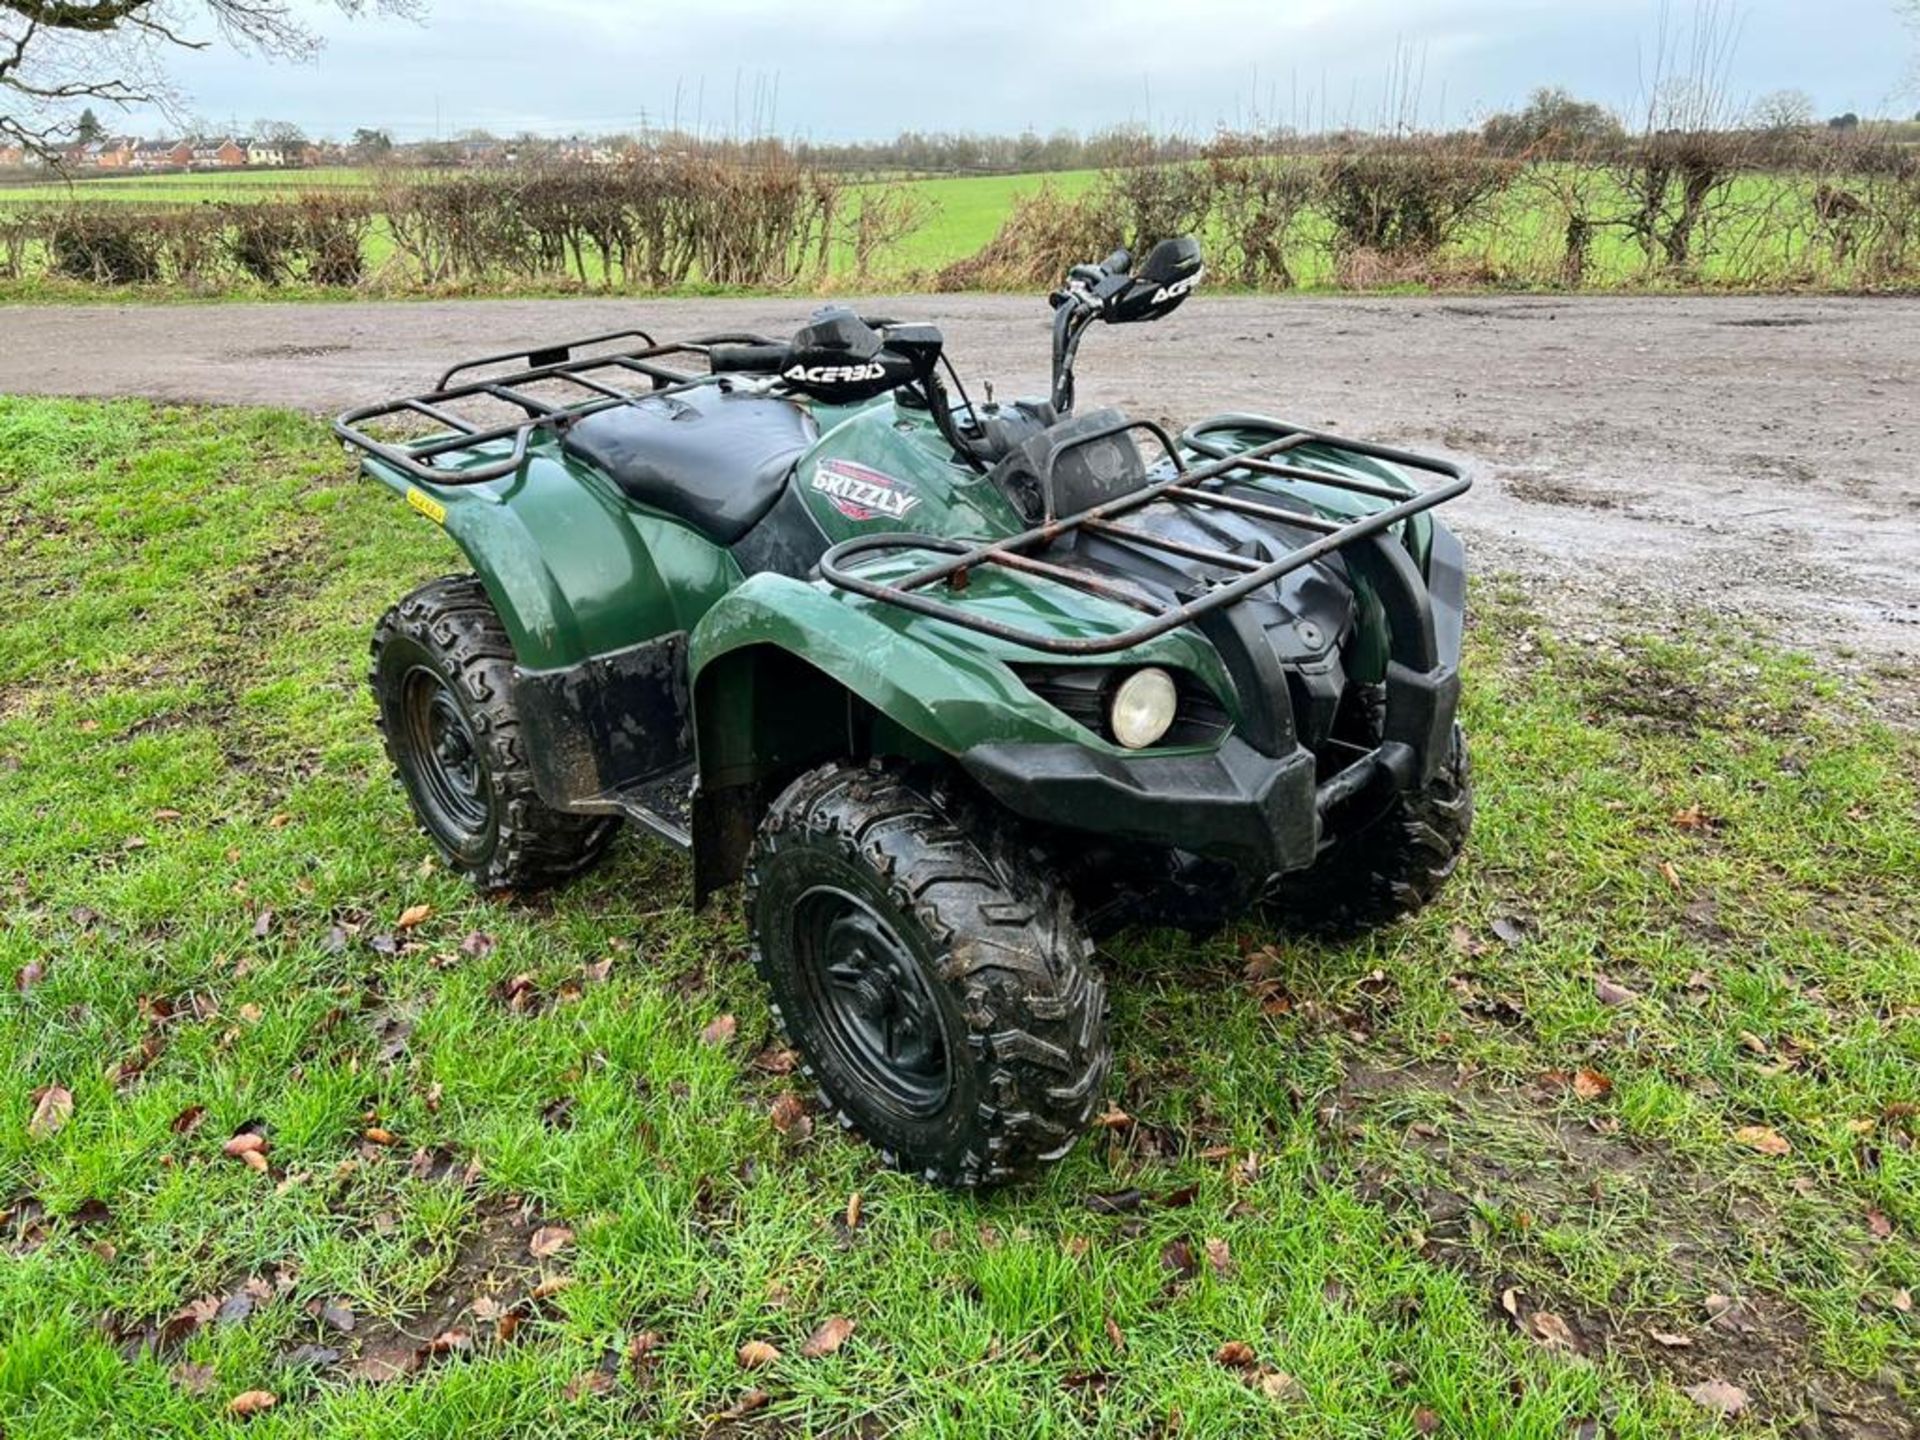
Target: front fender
<point>950,689</point>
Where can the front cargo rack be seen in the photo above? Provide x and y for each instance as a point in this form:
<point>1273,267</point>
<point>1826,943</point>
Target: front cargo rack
<point>1185,486</point>
<point>591,376</point>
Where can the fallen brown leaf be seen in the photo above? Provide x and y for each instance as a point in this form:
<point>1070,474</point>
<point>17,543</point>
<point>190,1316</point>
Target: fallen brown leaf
<point>757,1355</point>
<point>29,975</point>
<point>1669,1340</point>
<point>1554,1332</point>
<point>1177,1256</point>
<point>413,916</point>
<point>1763,1138</point>
<point>252,1402</point>
<point>855,1207</point>
<point>1614,994</point>
<point>247,1142</point>
<point>377,1367</point>
<point>588,1382</point>
<point>747,1404</point>
<point>1218,1258</point>
<point>550,1240</point>
<point>52,1108</point>
<point>1279,1385</point>
<point>188,1318</point>
<point>720,1030</point>
<point>1878,1225</point>
<point>790,1118</point>
<point>1591,1085</point>
<point>1235,1354</point>
<point>828,1337</point>
<point>1718,1396</point>
<point>448,1342</point>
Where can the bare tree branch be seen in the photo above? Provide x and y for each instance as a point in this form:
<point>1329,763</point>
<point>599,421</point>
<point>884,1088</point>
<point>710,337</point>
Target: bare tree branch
<point>58,54</point>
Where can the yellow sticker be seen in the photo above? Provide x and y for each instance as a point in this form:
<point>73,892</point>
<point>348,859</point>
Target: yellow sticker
<point>427,506</point>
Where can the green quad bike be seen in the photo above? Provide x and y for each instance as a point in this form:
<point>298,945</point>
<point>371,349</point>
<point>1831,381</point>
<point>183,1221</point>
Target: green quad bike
<point>952,687</point>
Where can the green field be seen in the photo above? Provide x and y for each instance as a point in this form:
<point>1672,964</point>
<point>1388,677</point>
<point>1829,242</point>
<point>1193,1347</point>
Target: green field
<point>964,213</point>
<point>191,189</point>
<point>1630,1114</point>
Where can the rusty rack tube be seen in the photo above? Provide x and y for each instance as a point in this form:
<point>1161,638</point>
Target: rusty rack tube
<point>556,363</point>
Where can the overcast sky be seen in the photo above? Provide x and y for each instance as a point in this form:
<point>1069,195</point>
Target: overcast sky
<point>870,68</point>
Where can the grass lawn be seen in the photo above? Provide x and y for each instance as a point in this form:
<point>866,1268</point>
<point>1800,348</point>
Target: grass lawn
<point>1631,1112</point>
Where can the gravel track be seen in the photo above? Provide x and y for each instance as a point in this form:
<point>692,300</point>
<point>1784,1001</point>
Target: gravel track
<point>1639,459</point>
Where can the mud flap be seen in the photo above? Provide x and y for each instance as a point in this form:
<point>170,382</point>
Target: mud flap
<point>607,723</point>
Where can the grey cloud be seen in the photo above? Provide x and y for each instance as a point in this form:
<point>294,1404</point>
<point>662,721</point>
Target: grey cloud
<point>868,70</point>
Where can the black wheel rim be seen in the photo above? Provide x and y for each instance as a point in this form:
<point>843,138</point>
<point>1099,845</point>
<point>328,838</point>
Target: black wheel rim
<point>873,999</point>
<point>450,778</point>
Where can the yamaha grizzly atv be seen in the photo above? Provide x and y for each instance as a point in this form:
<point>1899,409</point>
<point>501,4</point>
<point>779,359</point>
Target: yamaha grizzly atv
<point>950,686</point>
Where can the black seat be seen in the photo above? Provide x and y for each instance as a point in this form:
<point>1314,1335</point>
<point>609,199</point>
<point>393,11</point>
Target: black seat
<point>714,459</point>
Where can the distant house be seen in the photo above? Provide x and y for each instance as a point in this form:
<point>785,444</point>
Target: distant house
<point>162,155</point>
<point>267,154</point>
<point>587,152</point>
<point>114,154</point>
<point>12,157</point>
<point>228,154</point>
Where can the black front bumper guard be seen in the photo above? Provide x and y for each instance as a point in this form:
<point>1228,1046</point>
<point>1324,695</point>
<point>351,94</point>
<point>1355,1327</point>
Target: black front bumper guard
<point>1264,815</point>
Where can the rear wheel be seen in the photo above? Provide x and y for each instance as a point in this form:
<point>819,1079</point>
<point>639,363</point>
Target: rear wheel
<point>1393,866</point>
<point>442,677</point>
<point>929,973</point>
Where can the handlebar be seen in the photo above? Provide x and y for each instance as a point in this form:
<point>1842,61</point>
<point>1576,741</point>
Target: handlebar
<point>750,359</point>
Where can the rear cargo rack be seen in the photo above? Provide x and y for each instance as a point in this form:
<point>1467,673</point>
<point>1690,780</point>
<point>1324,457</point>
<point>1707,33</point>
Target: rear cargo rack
<point>1185,486</point>
<point>591,375</point>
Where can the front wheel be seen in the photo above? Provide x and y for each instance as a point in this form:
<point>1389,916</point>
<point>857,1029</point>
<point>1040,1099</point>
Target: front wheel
<point>1393,866</point>
<point>930,975</point>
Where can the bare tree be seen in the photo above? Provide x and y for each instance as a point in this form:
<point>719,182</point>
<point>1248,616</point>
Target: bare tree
<point>56,55</point>
<point>1781,111</point>
<point>1911,9</point>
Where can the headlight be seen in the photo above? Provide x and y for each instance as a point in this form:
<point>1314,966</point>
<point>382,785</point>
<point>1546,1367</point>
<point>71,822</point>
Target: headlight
<point>1143,708</point>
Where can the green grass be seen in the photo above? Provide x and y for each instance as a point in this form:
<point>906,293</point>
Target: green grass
<point>202,866</point>
<point>966,212</point>
<point>192,188</point>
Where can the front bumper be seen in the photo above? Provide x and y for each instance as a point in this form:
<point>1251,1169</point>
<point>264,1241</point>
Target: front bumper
<point>1263,815</point>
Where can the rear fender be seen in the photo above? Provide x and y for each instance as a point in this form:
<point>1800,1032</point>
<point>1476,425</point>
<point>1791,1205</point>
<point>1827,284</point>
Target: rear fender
<point>573,570</point>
